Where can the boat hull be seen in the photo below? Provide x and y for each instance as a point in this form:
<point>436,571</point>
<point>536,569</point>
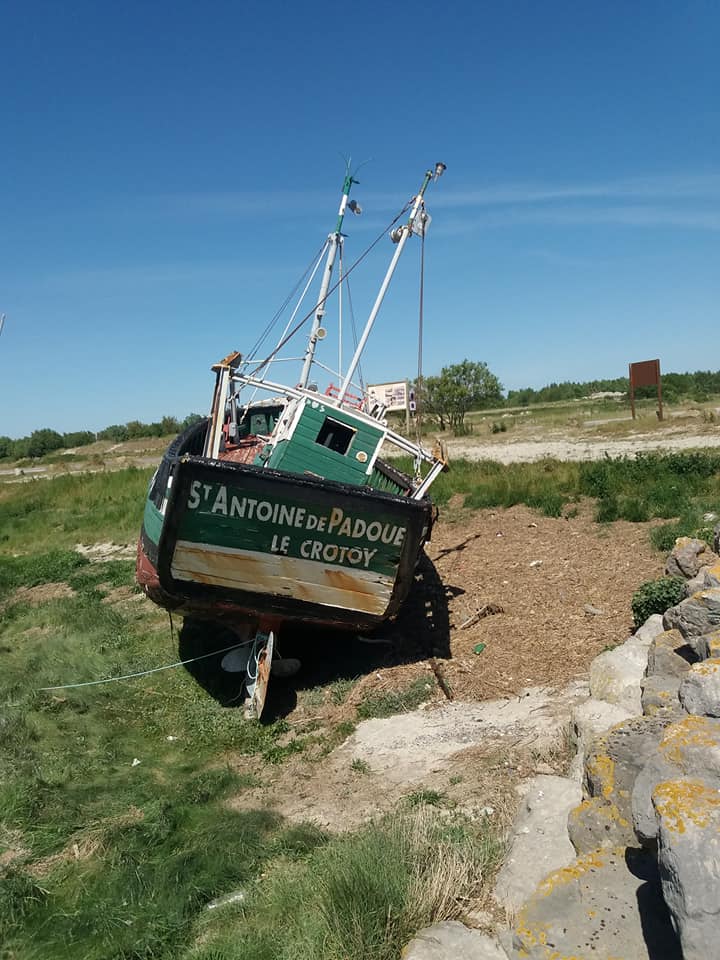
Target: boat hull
<point>232,540</point>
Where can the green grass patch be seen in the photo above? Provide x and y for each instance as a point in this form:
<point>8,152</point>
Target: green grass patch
<point>681,486</point>
<point>80,508</point>
<point>396,701</point>
<point>360,896</point>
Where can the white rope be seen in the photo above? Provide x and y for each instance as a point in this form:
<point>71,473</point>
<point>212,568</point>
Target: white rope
<point>145,673</point>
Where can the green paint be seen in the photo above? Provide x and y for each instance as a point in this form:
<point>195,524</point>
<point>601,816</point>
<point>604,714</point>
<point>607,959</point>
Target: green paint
<point>337,534</point>
<point>302,453</point>
<point>152,521</point>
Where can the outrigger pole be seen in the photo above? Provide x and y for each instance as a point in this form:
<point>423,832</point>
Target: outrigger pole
<point>335,240</point>
<point>400,237</point>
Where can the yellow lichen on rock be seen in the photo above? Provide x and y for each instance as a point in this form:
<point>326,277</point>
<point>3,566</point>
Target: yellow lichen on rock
<point>601,767</point>
<point>706,668</point>
<point>683,802</point>
<point>691,731</point>
<point>577,869</point>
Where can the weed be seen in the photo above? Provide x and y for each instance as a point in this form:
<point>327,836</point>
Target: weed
<point>430,798</point>
<point>360,766</point>
<point>656,596</point>
<point>396,701</point>
<point>340,689</point>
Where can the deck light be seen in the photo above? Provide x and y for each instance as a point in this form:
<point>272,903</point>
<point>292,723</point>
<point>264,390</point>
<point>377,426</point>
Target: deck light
<point>440,169</point>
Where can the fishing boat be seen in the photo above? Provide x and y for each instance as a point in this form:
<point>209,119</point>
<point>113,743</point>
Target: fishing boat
<point>280,505</point>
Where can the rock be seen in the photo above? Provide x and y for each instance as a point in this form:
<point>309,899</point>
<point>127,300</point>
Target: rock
<point>687,556</point>
<point>598,908</point>
<point>670,655</point>
<point>650,629</point>
<point>592,611</point>
<point>660,696</point>
<point>617,758</point>
<point>688,813</point>
<point>595,717</point>
<point>615,675</point>
<point>540,841</point>
<point>707,646</point>
<point>597,823</point>
<point>451,940</point>
<point>716,538</point>
<point>706,579</point>
<point>695,616</point>
<point>699,692</point>
<point>689,748</point>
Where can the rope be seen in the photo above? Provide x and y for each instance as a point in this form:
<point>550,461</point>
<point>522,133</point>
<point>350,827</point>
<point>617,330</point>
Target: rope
<point>145,673</point>
<point>332,290</point>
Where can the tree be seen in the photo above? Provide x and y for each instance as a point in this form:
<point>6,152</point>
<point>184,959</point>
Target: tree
<point>44,441</point>
<point>461,387</point>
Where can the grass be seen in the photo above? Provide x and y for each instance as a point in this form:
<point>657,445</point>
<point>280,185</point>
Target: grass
<point>70,509</point>
<point>358,897</point>
<point>387,704</point>
<point>680,487</point>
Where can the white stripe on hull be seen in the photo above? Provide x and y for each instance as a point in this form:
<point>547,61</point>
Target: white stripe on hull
<point>303,580</point>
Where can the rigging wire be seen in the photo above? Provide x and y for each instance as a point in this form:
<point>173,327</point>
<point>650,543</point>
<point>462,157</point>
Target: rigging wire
<point>332,289</point>
<point>279,312</point>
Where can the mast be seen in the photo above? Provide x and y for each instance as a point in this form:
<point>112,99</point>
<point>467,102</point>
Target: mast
<point>399,236</point>
<point>335,241</point>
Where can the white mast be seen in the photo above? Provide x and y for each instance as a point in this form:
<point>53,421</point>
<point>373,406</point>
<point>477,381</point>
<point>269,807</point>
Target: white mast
<point>335,241</point>
<point>399,236</point>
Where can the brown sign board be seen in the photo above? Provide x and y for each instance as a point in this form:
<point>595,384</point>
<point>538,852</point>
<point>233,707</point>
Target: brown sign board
<point>645,373</point>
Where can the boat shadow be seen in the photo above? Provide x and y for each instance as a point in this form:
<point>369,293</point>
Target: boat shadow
<point>420,631</point>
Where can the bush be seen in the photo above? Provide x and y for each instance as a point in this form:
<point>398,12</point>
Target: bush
<point>656,596</point>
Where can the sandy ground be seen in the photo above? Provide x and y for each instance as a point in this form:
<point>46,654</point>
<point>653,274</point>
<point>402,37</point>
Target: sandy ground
<point>528,451</point>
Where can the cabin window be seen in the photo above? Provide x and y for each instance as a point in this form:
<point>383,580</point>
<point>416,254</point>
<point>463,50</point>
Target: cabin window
<point>335,435</point>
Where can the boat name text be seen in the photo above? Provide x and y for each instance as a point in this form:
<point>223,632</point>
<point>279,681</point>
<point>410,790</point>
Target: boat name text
<point>216,500</point>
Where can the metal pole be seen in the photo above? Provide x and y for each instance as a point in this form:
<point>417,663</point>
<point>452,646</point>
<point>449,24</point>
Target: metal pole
<point>335,240</point>
<point>405,232</point>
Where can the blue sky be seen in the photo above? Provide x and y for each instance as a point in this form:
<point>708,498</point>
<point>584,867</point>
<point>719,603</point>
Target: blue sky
<point>168,170</point>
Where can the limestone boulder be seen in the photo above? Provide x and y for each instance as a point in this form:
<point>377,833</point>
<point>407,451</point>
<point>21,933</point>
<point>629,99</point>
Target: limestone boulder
<point>605,905</point>
<point>688,814</point>
<point>660,696</point>
<point>688,556</point>
<point>705,579</point>
<point>669,654</point>
<point>697,615</point>
<point>540,842</point>
<point>597,823</point>
<point>699,692</point>
<point>615,675</point>
<point>650,629</point>
<point>450,940</point>
<point>688,748</point>
<point>616,759</point>
<point>593,718</point>
<point>707,646</point>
